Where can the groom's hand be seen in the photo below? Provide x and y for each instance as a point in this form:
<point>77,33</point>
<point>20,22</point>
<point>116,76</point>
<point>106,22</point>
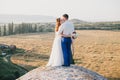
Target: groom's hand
<point>63,35</point>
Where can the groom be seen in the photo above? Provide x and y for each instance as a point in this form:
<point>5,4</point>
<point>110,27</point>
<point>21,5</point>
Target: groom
<point>66,28</point>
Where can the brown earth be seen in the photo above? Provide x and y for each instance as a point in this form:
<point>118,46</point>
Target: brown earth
<point>94,49</point>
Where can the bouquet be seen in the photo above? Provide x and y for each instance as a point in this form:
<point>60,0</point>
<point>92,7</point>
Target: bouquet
<point>74,35</point>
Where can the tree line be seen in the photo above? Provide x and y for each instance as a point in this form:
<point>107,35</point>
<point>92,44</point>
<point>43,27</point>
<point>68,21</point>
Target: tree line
<point>98,26</point>
<point>11,28</point>
<point>21,28</point>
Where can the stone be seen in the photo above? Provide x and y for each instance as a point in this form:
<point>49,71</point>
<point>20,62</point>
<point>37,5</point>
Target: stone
<point>61,73</point>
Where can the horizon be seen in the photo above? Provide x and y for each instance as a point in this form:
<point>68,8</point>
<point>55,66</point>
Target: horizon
<point>52,18</point>
<point>86,10</point>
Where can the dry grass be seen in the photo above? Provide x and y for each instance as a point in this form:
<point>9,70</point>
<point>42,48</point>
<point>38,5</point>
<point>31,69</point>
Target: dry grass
<point>94,49</point>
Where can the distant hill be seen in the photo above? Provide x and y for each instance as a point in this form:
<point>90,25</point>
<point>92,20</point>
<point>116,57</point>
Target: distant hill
<point>77,21</point>
<point>31,19</point>
<point>25,18</point>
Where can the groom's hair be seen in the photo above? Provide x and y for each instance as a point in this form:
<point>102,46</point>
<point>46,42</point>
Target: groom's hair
<point>65,16</point>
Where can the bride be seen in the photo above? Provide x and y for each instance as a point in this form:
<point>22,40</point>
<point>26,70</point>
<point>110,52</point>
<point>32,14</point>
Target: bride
<point>56,57</point>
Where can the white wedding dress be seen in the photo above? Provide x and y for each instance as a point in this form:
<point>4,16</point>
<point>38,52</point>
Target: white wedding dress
<point>56,57</point>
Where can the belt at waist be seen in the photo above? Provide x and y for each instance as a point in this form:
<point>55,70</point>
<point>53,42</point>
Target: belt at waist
<point>65,37</point>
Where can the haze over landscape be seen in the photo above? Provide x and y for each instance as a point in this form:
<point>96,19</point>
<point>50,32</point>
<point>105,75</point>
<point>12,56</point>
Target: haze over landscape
<point>87,10</point>
<point>26,18</point>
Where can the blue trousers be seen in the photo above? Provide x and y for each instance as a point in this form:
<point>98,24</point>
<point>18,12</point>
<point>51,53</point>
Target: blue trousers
<point>66,48</point>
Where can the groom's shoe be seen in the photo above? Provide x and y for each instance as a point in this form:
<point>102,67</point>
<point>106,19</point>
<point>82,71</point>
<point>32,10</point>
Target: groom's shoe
<point>66,65</point>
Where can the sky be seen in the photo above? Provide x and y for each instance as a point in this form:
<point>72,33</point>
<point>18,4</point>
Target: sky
<point>88,10</point>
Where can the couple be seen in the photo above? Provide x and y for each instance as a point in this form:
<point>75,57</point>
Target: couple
<point>61,54</point>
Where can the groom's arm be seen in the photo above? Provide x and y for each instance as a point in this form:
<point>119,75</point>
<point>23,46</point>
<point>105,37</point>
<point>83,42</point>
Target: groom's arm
<point>72,30</point>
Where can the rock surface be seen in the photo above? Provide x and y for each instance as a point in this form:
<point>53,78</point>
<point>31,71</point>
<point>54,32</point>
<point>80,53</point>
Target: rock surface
<point>61,73</point>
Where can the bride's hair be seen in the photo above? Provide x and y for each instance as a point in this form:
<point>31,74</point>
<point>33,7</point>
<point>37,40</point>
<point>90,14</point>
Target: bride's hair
<point>57,24</point>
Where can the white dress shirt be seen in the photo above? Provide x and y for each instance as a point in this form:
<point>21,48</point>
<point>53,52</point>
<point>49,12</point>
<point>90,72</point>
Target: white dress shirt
<point>66,28</point>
